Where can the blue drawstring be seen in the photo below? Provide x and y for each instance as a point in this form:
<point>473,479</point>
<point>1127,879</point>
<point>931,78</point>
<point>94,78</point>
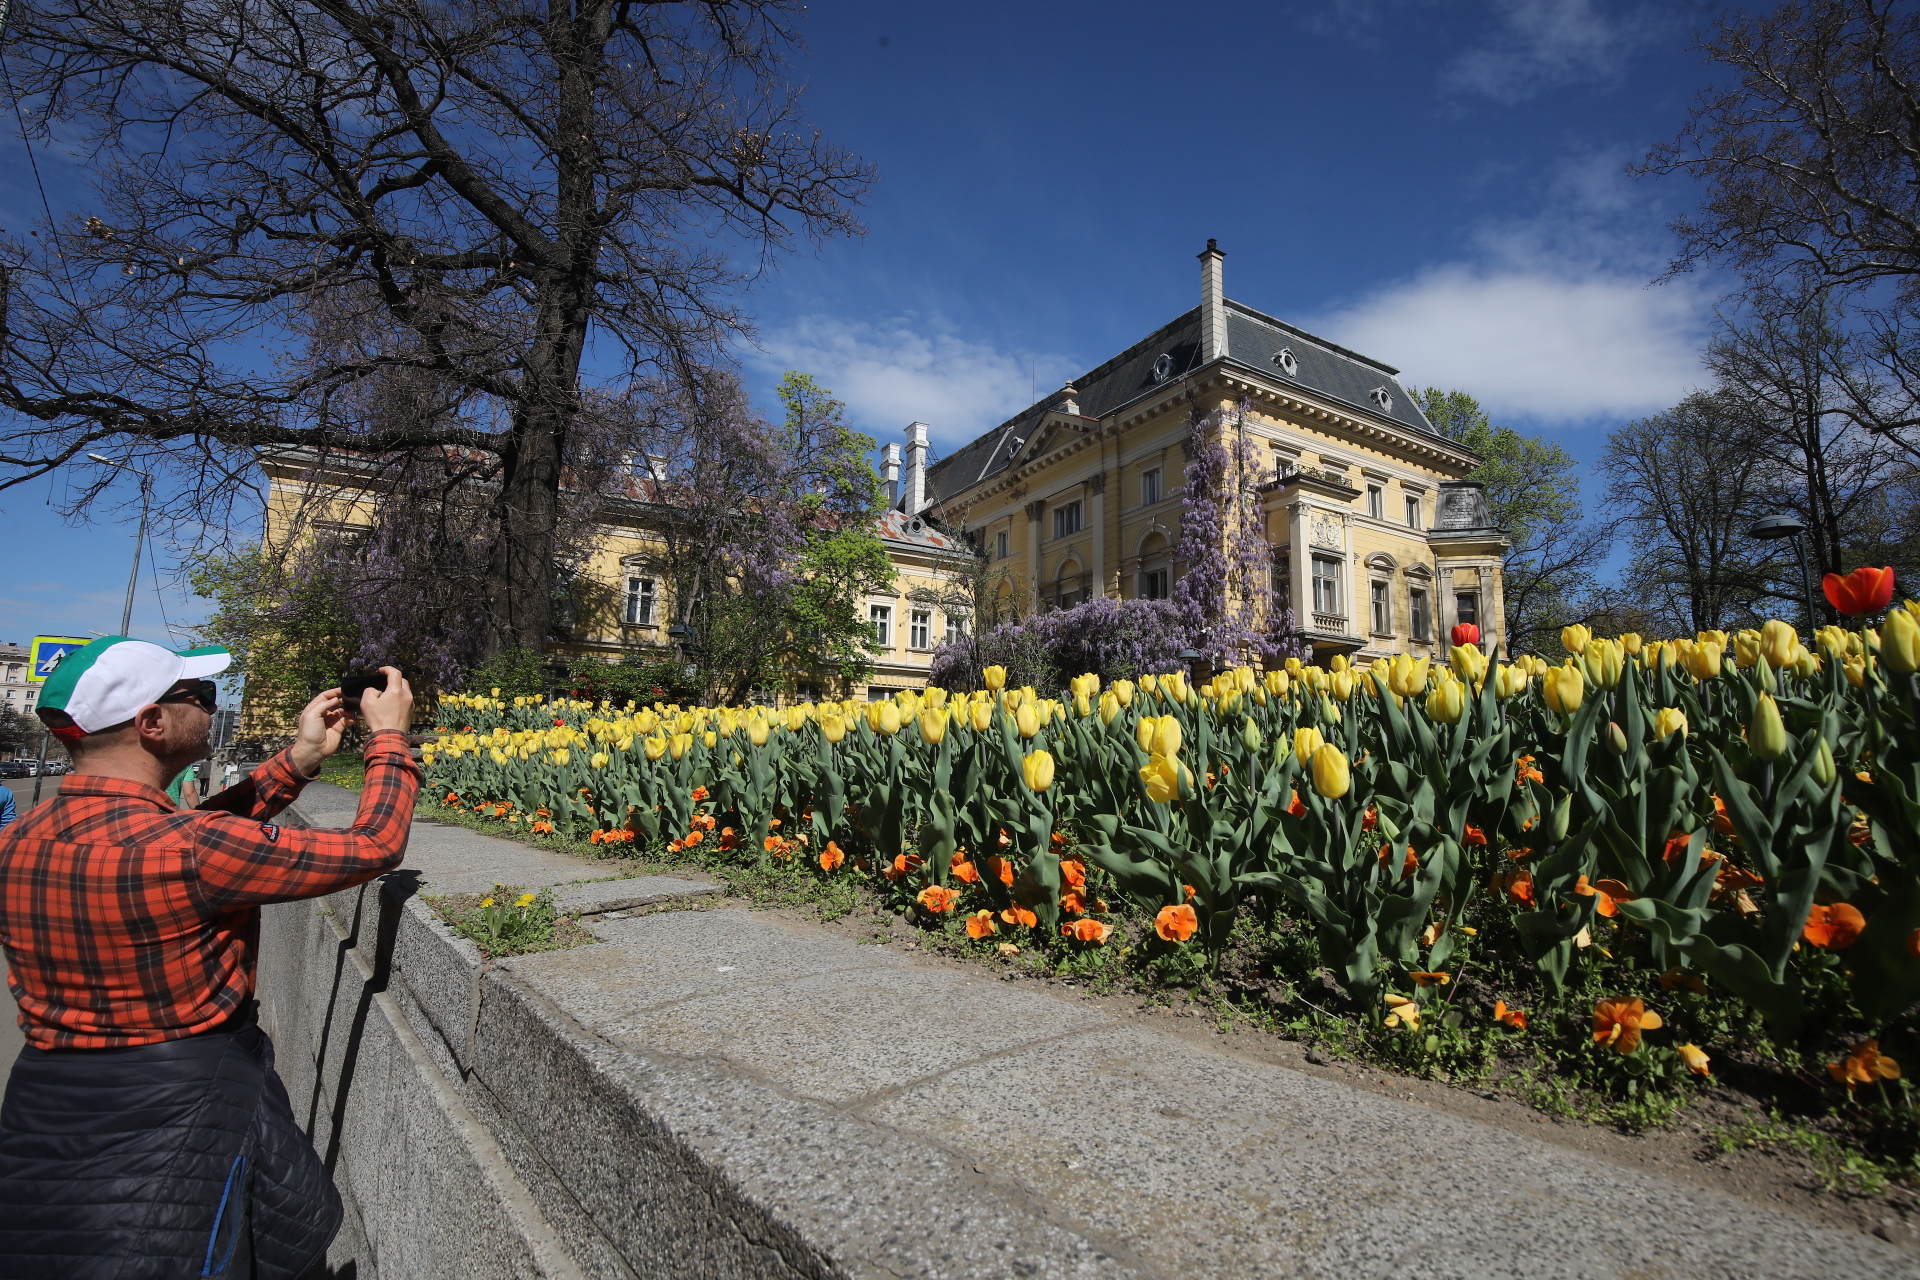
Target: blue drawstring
<point>213,1237</point>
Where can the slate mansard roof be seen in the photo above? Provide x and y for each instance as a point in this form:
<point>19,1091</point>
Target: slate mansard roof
<point>1253,339</point>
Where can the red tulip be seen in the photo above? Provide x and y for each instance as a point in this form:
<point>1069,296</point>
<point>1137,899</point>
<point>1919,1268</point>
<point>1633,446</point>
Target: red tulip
<point>1466,633</point>
<point>1861,592</point>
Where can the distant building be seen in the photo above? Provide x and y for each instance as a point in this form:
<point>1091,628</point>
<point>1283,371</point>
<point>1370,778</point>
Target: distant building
<point>14,689</point>
<point>1379,544</point>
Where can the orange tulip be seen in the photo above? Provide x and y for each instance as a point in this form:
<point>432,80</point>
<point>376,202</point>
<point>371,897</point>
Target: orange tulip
<point>833,857</point>
<point>1294,806</point>
<point>1864,1065</point>
<point>1861,592</point>
<point>1087,931</point>
<point>1176,924</point>
<point>1475,836</point>
<point>937,898</point>
<point>1617,1023</point>
<point>1512,1017</point>
<point>1835,927</point>
<point>980,924</point>
<point>1017,914</point>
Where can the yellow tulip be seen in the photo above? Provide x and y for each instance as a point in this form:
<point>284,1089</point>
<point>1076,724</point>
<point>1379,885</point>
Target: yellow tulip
<point>1856,670</point>
<point>656,747</point>
<point>758,731</point>
<point>1630,642</point>
<point>936,698</point>
<point>1305,743</point>
<point>598,759</point>
<point>1143,732</point>
<point>1574,638</point>
<point>1037,769</point>
<point>1833,641</point>
<point>1767,732</point>
<point>1123,690</point>
<point>1900,642</point>
<point>1175,683</point>
<point>1086,685</point>
<point>1468,663</point>
<point>1777,643</point>
<point>1331,776</point>
<point>1150,683</point>
<point>1668,721</point>
<point>1244,679</point>
<point>1166,737</point>
<point>889,718</point>
<point>1448,701</point>
<point>1806,664</point>
<point>1605,662</point>
<point>1564,689</point>
<point>709,737</point>
<point>1277,682</point>
<point>1109,706</point>
<point>1161,777</point>
<point>980,715</point>
<point>933,725</point>
<point>1509,680</point>
<point>1703,659</point>
<point>996,678</point>
<point>1026,720</point>
<point>833,727</point>
<point>560,755</point>
<point>1338,663</point>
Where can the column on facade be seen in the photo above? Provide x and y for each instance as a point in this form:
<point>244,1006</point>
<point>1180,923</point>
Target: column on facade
<point>1097,520</point>
<point>1034,511</point>
<point>1300,562</point>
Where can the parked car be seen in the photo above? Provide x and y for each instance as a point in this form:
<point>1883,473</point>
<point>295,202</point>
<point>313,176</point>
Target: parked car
<point>16,768</point>
<point>57,766</point>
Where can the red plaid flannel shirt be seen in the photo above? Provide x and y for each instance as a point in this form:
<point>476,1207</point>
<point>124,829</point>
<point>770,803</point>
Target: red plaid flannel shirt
<point>127,921</point>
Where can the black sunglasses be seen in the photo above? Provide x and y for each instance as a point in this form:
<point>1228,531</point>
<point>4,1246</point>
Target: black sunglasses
<point>204,692</point>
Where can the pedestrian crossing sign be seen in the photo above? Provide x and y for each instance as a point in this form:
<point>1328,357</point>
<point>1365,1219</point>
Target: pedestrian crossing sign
<point>47,652</point>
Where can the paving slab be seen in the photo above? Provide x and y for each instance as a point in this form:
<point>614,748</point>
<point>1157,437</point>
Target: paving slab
<point>1169,1158</point>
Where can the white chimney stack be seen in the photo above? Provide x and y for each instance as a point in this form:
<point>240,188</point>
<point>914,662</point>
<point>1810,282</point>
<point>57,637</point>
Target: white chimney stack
<point>916,477</point>
<point>1213,303</point>
<point>890,472</point>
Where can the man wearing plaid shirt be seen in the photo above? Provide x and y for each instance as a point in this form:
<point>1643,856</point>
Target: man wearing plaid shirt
<point>144,1131</point>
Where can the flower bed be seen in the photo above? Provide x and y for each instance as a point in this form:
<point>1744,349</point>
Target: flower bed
<point>1708,847</point>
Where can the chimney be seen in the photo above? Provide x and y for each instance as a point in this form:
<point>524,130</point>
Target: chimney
<point>890,472</point>
<point>1213,304</point>
<point>916,477</point>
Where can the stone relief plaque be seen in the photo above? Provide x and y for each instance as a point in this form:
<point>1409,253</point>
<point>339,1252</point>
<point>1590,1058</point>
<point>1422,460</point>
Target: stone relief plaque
<point>1324,530</point>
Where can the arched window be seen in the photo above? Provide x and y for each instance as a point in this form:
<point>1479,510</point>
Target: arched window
<point>1154,581</point>
<point>1067,586</point>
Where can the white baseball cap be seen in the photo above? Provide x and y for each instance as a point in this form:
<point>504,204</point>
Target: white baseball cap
<point>103,685</point>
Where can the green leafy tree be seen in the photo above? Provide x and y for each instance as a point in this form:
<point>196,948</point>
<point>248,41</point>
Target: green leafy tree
<point>1534,494</point>
<point>289,636</point>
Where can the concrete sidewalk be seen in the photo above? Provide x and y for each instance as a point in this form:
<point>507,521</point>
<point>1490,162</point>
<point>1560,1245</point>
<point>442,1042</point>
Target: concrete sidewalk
<point>722,1093</point>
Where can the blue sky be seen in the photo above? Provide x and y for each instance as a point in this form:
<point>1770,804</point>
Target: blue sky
<point>1437,183</point>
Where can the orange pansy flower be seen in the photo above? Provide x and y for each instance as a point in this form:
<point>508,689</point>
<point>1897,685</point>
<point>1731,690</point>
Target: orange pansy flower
<point>1074,872</point>
<point>1475,836</point>
<point>1087,931</point>
<point>980,924</point>
<point>1678,977</point>
<point>1371,819</point>
<point>1605,906</point>
<point>832,857</point>
<point>1517,884</point>
<point>1865,1065</point>
<point>1000,869</point>
<point>1431,979</point>
<point>1072,903</point>
<point>904,864</point>
<point>964,871</point>
<point>1017,914</point>
<point>1515,1018</point>
<point>1617,1023</point>
<point>937,898</point>
<point>1834,927</point>
<point>1176,924</point>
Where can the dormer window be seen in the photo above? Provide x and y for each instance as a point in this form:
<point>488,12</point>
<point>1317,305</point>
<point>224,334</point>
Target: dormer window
<point>1284,361</point>
<point>1382,397</point>
<point>1163,368</point>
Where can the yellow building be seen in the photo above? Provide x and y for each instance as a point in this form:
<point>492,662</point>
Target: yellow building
<point>1379,545</point>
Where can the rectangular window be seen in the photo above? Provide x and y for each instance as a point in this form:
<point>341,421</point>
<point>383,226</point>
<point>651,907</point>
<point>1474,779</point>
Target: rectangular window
<point>1382,610</point>
<point>1149,487</point>
<point>956,628</point>
<point>1153,584</point>
<point>920,629</point>
<point>1466,607</point>
<point>1000,545</point>
<point>1066,519</point>
<point>1326,585</point>
<point>1417,608</point>
<point>1376,502</point>
<point>641,595</point>
<point>882,618</point>
<point>1413,512</point>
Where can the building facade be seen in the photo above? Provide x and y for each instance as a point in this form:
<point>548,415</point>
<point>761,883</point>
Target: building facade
<point>1379,544</point>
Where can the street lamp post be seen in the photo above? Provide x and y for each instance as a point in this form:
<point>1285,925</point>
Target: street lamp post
<point>1772,529</point>
<point>139,537</point>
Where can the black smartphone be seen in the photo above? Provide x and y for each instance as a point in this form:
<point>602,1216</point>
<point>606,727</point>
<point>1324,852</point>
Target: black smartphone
<point>352,686</point>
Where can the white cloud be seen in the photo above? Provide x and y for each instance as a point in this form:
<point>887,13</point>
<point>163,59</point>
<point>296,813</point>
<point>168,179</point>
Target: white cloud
<point>1553,317</point>
<point>1537,44</point>
<point>910,367</point>
<point>1558,347</point>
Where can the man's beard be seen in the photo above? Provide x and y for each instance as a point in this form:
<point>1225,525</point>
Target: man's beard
<point>188,740</point>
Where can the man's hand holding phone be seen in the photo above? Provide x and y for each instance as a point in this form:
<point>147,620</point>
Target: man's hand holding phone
<point>388,704</point>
